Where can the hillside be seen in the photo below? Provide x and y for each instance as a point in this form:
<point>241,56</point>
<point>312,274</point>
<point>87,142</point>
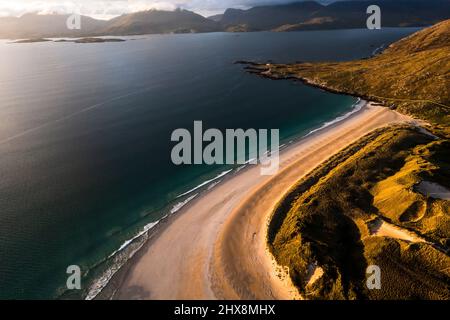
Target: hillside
<point>385,199</point>
<point>362,208</point>
<point>306,15</point>
<point>52,25</point>
<point>145,22</point>
<point>156,21</point>
<point>310,15</point>
<point>269,17</point>
<point>216,17</point>
<point>412,75</point>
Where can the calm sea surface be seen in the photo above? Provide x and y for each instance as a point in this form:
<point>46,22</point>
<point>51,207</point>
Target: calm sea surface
<point>85,135</point>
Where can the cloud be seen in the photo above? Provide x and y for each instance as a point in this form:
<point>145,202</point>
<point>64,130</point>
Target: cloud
<point>106,9</point>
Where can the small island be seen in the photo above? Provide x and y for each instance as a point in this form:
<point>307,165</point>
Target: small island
<point>80,40</point>
<point>32,40</point>
<point>98,40</point>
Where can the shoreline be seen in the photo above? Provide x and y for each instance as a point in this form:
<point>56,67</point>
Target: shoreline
<point>209,269</point>
<point>101,287</point>
<point>262,70</point>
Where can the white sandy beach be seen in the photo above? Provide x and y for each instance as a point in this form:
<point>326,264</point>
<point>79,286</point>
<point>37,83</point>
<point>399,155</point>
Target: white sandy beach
<point>215,247</point>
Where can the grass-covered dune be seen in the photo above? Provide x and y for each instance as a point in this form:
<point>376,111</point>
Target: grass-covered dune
<point>364,206</point>
<point>412,75</point>
<point>326,221</point>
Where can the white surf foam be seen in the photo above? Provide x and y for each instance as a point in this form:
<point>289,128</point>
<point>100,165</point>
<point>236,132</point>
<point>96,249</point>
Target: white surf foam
<point>101,282</point>
<point>181,204</point>
<point>357,106</point>
<point>126,243</point>
<point>205,183</point>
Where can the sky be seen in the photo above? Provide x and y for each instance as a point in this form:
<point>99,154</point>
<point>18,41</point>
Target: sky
<point>106,9</point>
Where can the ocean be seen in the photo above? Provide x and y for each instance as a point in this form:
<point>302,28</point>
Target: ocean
<point>85,167</point>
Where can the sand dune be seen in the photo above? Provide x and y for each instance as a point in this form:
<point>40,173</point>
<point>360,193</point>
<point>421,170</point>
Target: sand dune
<point>215,247</point>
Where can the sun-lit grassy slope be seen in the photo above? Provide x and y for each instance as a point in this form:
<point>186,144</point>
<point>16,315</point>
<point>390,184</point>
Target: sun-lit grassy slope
<point>412,75</point>
<point>397,200</point>
<point>325,220</point>
<point>362,207</point>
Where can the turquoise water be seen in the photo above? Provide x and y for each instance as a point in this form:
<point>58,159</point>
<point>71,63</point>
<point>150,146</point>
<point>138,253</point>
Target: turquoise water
<point>85,135</point>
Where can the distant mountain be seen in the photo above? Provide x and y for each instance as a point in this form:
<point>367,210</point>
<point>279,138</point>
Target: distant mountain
<point>156,21</point>
<point>269,17</point>
<point>145,22</point>
<point>216,17</point>
<point>310,15</point>
<point>34,25</point>
<point>306,15</point>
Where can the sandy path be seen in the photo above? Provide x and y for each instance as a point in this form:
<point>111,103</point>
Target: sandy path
<point>383,229</point>
<point>215,247</point>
